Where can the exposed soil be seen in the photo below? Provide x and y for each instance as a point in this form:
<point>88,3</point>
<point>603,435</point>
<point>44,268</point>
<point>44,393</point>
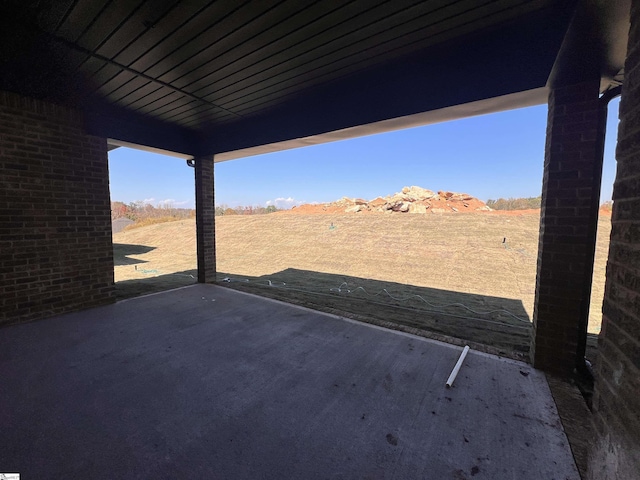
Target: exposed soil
<point>154,258</point>
<point>415,200</point>
<point>483,261</point>
<point>381,269</point>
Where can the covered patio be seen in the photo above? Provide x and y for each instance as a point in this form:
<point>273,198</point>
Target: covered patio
<point>181,385</point>
<point>208,382</point>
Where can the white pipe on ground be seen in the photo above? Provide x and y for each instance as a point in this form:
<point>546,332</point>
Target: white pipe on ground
<point>456,369</point>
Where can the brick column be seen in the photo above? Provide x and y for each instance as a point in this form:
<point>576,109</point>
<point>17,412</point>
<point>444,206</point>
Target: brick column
<point>56,252</point>
<point>205,220</point>
<point>615,452</point>
<point>565,253</point>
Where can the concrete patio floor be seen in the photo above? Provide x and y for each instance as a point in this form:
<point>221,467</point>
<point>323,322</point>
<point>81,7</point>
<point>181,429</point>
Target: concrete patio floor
<point>205,382</point>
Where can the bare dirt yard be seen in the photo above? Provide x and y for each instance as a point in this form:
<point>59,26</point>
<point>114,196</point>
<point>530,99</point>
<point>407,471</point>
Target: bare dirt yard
<point>466,275</point>
<point>154,258</point>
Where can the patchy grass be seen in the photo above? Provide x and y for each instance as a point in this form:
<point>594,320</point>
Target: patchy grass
<point>462,253</point>
<point>154,258</point>
<point>443,259</point>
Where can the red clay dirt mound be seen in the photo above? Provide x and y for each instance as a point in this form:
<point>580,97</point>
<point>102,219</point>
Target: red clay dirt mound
<point>605,210</point>
<point>409,200</point>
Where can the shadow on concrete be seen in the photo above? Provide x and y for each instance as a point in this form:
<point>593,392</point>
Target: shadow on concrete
<point>121,252</point>
<point>153,284</point>
<point>206,382</point>
<point>500,323</point>
<point>495,333</point>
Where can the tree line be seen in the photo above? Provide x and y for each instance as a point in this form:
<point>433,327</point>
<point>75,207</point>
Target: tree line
<point>528,203</point>
<point>241,210</point>
<point>141,212</point>
<point>515,203</point>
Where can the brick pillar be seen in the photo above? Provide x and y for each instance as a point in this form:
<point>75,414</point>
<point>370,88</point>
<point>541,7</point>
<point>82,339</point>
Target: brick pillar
<point>56,252</point>
<point>205,220</point>
<point>615,452</point>
<point>573,153</point>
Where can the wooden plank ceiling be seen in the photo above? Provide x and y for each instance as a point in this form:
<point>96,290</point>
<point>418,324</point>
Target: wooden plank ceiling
<point>198,64</point>
<point>204,77</point>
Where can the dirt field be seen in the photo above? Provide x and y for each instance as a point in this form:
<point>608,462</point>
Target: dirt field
<point>154,258</point>
<point>471,276</point>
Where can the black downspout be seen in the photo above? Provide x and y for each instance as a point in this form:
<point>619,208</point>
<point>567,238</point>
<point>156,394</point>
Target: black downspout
<point>581,365</point>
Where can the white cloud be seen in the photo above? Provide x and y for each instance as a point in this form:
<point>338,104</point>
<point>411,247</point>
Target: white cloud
<point>282,202</point>
<point>172,203</point>
<point>166,203</point>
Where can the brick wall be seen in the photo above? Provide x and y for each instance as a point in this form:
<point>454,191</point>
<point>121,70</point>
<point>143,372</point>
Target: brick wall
<point>616,452</point>
<point>55,224</point>
<point>564,263</point>
<point>205,220</point>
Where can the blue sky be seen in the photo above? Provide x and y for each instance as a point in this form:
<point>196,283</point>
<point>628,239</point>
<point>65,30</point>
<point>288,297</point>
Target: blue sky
<point>489,156</point>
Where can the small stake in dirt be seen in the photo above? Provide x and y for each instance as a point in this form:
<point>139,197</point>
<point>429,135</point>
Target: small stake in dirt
<point>456,369</point>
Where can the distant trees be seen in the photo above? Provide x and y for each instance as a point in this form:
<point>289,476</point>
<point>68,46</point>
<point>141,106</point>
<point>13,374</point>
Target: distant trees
<point>515,203</point>
<point>241,210</point>
<point>118,210</point>
<point>145,212</point>
<point>528,203</point>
